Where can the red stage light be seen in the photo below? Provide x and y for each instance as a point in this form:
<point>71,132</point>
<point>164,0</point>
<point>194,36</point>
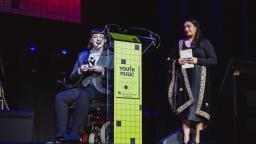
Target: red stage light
<point>66,10</point>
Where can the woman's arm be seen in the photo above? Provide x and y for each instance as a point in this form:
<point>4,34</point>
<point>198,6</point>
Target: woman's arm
<point>211,57</point>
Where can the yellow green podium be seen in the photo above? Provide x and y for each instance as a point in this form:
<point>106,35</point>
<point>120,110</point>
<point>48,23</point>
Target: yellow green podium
<point>127,103</point>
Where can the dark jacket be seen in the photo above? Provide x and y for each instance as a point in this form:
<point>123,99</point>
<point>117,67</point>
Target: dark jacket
<point>180,93</point>
<point>99,81</point>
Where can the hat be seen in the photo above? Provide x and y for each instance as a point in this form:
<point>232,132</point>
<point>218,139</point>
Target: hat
<point>97,31</point>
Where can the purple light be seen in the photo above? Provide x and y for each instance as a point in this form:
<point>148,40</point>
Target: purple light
<point>64,51</point>
<point>32,48</point>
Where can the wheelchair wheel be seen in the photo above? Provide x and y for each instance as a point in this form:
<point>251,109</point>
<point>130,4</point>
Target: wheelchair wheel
<point>106,133</point>
<point>91,138</point>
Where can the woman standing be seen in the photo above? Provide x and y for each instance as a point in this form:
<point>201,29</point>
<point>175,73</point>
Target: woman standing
<point>189,89</point>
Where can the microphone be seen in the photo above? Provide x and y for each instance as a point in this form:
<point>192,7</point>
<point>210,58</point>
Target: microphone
<point>98,42</point>
<point>152,38</point>
<point>155,38</point>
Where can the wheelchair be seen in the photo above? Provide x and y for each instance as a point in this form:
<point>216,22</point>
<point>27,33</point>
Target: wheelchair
<point>98,130</point>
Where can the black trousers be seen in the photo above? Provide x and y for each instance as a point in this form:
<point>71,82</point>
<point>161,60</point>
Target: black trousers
<point>82,97</point>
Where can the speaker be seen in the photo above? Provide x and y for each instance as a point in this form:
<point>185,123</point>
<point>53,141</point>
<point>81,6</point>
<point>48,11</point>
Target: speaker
<point>236,104</point>
<point>16,126</point>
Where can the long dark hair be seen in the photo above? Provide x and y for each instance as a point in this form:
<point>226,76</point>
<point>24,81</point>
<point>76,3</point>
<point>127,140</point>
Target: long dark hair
<point>198,36</point>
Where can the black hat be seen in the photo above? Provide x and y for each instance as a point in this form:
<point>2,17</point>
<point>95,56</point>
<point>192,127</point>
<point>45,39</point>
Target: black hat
<point>97,31</point>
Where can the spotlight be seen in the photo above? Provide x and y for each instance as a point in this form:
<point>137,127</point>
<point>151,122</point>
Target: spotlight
<point>64,51</point>
<point>33,48</point>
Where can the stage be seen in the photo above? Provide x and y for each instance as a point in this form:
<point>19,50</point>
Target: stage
<point>40,41</point>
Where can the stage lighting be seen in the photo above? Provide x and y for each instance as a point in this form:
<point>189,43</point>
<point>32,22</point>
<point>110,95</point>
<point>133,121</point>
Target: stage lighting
<point>32,48</point>
<point>64,51</point>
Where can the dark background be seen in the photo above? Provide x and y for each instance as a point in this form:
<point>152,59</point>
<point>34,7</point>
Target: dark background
<point>30,77</point>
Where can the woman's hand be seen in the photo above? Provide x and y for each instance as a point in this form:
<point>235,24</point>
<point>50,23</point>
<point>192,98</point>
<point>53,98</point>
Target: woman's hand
<point>192,60</point>
<point>182,61</point>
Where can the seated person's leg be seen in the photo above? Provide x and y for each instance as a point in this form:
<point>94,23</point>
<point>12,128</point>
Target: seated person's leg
<point>62,100</point>
<point>81,112</point>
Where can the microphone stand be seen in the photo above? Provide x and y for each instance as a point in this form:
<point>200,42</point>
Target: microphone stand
<point>153,37</point>
<point>2,98</point>
<point>149,46</point>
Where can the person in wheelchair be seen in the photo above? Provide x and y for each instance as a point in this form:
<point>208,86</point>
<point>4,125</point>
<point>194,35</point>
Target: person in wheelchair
<point>91,71</point>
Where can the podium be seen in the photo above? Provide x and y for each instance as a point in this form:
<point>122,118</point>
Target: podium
<point>127,95</point>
